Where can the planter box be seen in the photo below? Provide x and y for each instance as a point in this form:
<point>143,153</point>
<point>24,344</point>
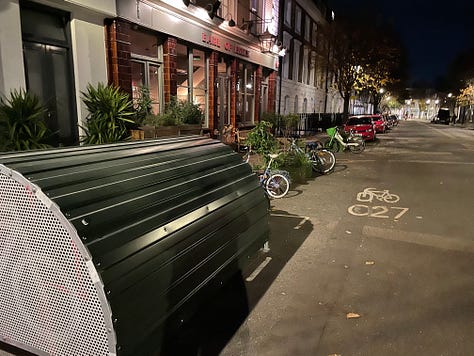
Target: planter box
<point>189,129</point>
<point>137,135</point>
<point>161,131</point>
<point>149,131</point>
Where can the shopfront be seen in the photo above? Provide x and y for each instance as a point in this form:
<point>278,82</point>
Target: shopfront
<point>221,70</point>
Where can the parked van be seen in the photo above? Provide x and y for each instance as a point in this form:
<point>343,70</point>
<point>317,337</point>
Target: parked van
<point>442,117</point>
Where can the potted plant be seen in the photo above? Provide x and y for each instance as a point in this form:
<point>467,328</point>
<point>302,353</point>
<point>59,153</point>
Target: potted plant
<point>144,117</point>
<point>22,125</point>
<point>110,111</point>
<point>167,122</point>
<point>191,118</point>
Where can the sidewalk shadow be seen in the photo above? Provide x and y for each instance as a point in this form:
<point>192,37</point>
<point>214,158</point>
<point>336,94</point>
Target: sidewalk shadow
<point>221,316</point>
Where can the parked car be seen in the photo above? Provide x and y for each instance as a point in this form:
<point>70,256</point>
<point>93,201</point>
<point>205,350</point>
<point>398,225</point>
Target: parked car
<point>379,123</point>
<point>392,120</point>
<point>442,117</point>
<point>361,125</point>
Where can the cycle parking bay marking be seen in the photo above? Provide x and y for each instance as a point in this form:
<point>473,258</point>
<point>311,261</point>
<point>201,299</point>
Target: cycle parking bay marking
<point>368,195</point>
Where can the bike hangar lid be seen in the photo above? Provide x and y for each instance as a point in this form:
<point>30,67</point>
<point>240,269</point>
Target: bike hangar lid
<point>99,245</point>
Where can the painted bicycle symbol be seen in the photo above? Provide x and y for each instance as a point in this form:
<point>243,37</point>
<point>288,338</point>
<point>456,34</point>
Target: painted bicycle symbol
<point>369,194</point>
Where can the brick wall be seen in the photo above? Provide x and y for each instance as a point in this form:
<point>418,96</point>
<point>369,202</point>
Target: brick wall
<point>118,54</point>
<point>169,68</point>
<point>272,81</point>
<point>212,90</point>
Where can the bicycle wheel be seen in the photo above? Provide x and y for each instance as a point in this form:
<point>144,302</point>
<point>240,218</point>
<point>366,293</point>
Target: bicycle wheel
<point>332,146</point>
<point>323,160</point>
<point>277,185</point>
<point>357,148</point>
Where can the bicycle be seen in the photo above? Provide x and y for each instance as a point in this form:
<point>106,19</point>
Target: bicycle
<point>355,143</point>
<point>322,160</point>
<point>276,183</point>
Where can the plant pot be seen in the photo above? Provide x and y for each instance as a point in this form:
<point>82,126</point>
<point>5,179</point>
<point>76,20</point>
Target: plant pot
<point>190,129</point>
<point>166,131</point>
<point>137,135</point>
<point>149,131</point>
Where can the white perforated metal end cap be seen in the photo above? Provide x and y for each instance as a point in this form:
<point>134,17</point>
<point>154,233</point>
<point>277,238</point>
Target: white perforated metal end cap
<point>52,300</point>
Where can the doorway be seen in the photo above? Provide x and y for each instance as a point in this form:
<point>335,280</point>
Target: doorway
<point>48,69</point>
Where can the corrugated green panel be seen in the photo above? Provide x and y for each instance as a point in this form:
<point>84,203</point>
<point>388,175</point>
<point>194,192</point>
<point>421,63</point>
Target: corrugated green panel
<point>160,219</point>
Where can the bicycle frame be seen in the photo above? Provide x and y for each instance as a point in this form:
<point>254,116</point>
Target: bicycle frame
<point>337,136</point>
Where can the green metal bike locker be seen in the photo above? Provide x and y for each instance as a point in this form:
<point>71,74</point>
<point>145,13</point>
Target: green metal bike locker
<point>100,246</point>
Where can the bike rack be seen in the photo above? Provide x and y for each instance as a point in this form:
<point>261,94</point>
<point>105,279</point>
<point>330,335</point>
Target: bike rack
<point>103,247</point>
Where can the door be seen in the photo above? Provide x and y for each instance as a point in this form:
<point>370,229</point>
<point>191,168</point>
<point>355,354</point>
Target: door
<point>48,69</point>
<point>48,76</point>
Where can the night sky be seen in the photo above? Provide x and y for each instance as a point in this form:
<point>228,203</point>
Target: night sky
<point>433,32</point>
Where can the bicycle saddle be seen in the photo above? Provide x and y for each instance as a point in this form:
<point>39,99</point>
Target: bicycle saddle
<point>273,155</point>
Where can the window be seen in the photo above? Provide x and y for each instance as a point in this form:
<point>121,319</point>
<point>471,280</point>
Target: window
<point>182,72</point>
<point>246,93</point>
<point>199,78</point>
<point>146,67</point>
<point>288,12</point>
<point>296,59</point>
<point>305,105</point>
<point>295,109</point>
<point>307,28</point>
<point>286,59</point>
<point>146,74</point>
<point>305,66</point>
<point>298,19</point>
<point>314,36</point>
<point>286,105</point>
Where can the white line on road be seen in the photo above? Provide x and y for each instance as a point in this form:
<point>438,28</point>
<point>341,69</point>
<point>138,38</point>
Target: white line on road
<point>450,135</point>
<point>258,269</point>
<point>442,242</point>
<point>436,162</point>
<point>297,227</point>
<point>354,160</point>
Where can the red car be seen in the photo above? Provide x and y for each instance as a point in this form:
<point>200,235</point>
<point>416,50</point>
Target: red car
<point>379,123</point>
<point>361,125</point>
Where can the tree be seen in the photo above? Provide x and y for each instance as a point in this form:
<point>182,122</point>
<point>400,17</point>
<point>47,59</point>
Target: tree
<point>466,96</point>
<point>344,58</point>
<point>365,58</point>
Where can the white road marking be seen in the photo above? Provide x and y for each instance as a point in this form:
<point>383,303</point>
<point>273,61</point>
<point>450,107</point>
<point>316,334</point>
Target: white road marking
<point>287,216</point>
<point>436,162</point>
<point>258,269</point>
<point>450,135</point>
<point>442,242</point>
<point>297,227</point>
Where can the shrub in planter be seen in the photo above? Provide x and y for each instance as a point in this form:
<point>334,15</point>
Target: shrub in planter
<point>297,164</point>
<point>261,140</point>
<point>22,125</point>
<point>110,111</point>
<point>191,114</point>
<point>142,106</point>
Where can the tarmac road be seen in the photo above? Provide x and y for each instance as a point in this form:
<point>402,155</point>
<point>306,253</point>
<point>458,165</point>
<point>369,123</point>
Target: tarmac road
<point>403,269</point>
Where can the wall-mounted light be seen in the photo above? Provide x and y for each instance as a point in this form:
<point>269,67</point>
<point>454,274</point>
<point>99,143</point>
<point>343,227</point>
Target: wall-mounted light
<point>186,2</point>
<point>267,40</point>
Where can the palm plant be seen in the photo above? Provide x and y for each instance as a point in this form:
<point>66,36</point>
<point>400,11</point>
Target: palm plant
<point>109,113</point>
<point>22,125</point>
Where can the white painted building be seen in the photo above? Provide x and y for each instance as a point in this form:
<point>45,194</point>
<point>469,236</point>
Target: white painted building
<point>306,86</point>
<point>54,48</point>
